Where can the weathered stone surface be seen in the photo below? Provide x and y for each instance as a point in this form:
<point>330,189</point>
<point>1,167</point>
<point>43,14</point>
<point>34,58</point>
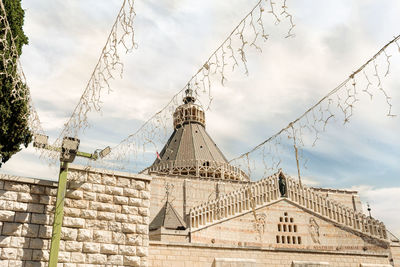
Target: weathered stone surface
<point>144,211</point>
<point>130,210</point>
<point>94,178</point>
<point>38,243</point>
<point>75,203</point>
<point>119,217</point>
<point>129,192</point>
<point>118,238</point>
<point>102,236</point>
<point>115,226</point>
<point>18,206</point>
<point>74,222</point>
<point>127,250</point>
<point>45,231</point>
<point>97,258</point>
<point>133,239</point>
<point>45,199</point>
<point>123,182</point>
<point>9,253</point>
<point>77,257</point>
<point>135,219</point>
<point>105,198</point>
<point>108,249</point>
<point>12,229</point>
<point>38,218</point>
<point>131,261</point>
<point>30,230</point>
<point>142,251</point>
<point>115,259</point>
<point>144,195</point>
<point>15,186</point>
<point>114,190</point>
<point>85,234</point>
<point>98,188</point>
<point>140,185</point>
<point>89,196</point>
<point>142,229</point>
<point>37,189</point>
<point>91,247</point>
<point>22,217</point>
<point>8,195</point>
<point>73,212</point>
<point>40,255</point>
<point>135,201</point>
<point>7,216</point>
<point>74,194</point>
<point>109,180</point>
<point>27,197</point>
<point>69,233</point>
<point>5,241</point>
<point>73,246</point>
<point>128,227</point>
<point>34,208</point>
<point>88,214</point>
<point>121,200</point>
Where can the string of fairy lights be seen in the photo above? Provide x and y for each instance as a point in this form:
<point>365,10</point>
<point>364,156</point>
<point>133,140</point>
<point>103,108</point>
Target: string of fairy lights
<point>229,56</point>
<point>249,34</point>
<point>338,104</point>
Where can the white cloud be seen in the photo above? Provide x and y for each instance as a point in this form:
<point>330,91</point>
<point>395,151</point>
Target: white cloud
<point>383,203</point>
<point>175,37</point>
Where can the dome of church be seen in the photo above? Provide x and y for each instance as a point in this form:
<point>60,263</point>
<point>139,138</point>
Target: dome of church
<point>190,150</point>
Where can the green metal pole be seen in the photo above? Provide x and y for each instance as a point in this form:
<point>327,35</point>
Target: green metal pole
<point>58,214</point>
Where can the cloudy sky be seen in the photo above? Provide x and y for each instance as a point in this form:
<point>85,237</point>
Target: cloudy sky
<point>333,38</point>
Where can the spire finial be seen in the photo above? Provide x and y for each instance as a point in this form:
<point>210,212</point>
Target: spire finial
<point>189,98</point>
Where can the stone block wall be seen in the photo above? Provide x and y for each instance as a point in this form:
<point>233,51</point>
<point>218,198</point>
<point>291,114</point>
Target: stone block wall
<point>187,193</point>
<point>106,219</point>
<point>284,225</point>
<point>163,254</point>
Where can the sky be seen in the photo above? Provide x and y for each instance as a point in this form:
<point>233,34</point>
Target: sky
<point>332,40</point>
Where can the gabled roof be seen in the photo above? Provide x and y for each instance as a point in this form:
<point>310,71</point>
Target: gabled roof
<point>168,218</point>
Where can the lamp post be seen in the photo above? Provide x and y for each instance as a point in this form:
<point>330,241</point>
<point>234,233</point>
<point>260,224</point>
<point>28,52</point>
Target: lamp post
<point>68,152</point>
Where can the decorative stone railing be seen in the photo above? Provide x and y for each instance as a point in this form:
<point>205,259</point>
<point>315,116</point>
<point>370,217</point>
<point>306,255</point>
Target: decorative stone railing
<point>337,212</point>
<point>199,168</point>
<point>265,191</point>
<point>235,203</point>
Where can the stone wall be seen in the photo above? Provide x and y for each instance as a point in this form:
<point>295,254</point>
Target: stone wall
<point>348,198</point>
<point>199,255</point>
<point>106,219</point>
<point>284,225</point>
<point>187,193</point>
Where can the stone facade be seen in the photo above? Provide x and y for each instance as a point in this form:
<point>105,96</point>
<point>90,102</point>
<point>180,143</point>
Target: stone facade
<point>229,223</point>
<point>106,219</point>
<point>162,254</point>
<point>187,192</point>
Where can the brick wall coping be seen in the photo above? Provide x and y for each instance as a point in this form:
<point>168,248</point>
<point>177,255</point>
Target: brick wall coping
<point>27,180</point>
<point>137,176</point>
<point>331,190</point>
<point>38,181</point>
<point>250,248</point>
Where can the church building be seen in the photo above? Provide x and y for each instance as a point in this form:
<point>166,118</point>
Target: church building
<point>205,212</point>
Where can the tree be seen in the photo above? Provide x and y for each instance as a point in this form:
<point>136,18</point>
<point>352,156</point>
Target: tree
<point>14,112</point>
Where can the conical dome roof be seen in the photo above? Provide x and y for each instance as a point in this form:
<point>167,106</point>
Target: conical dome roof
<point>190,150</point>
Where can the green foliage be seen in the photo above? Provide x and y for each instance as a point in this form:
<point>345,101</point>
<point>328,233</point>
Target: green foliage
<point>14,130</point>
